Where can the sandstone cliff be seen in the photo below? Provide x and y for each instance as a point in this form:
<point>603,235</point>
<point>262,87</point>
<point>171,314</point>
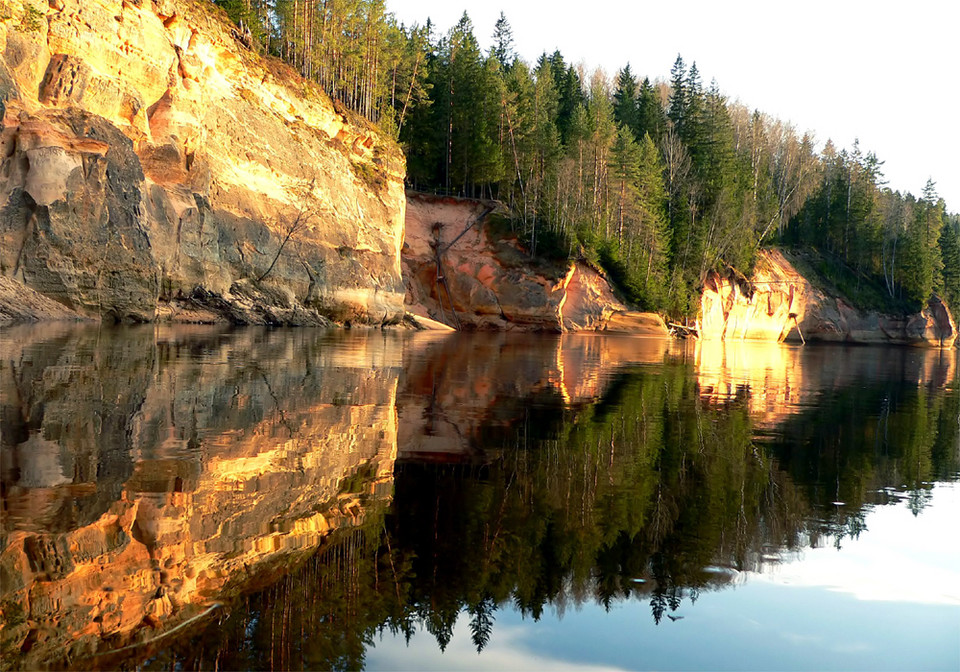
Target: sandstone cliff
<point>154,167</point>
<point>779,304</point>
<point>492,284</point>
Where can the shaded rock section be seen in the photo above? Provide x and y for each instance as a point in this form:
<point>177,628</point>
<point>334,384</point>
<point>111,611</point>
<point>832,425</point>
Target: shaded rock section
<point>22,304</point>
<point>156,168</point>
<point>779,304</point>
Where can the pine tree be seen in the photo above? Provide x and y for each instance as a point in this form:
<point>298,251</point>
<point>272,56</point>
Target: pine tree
<point>603,132</point>
<point>578,152</point>
<point>469,108</point>
<point>546,144</point>
<point>516,98</point>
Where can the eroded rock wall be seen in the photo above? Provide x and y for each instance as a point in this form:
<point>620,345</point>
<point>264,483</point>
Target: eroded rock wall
<point>779,304</point>
<point>492,284</point>
<point>153,166</point>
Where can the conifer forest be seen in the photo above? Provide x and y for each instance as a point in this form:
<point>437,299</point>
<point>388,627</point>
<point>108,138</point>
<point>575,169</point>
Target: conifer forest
<point>656,180</point>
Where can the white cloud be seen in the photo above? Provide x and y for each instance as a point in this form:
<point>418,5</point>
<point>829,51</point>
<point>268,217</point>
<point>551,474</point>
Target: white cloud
<point>927,576</point>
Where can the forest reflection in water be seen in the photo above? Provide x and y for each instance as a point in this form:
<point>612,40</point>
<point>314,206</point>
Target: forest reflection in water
<point>530,474</point>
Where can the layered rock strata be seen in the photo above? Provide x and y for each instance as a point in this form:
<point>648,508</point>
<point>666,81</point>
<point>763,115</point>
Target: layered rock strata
<point>779,304</point>
<point>489,283</point>
<point>19,303</point>
<point>154,167</point>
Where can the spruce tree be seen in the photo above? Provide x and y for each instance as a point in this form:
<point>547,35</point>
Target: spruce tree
<point>626,174</point>
<point>570,91</point>
<point>502,48</point>
<point>655,234</point>
<point>679,99</point>
<point>650,116</point>
<point>950,258</point>
<point>625,109</point>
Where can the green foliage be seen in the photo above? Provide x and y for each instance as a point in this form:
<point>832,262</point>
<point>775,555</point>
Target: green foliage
<point>561,147</point>
<point>950,253</point>
<point>830,273</point>
<point>625,109</point>
<point>369,174</point>
<point>502,49</point>
<point>887,250</point>
<point>650,117</point>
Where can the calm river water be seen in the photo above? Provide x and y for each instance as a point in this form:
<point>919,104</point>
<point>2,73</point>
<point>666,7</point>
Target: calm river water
<point>203,498</point>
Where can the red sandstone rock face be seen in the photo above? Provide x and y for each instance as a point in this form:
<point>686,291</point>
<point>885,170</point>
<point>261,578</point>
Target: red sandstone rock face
<point>494,285</point>
<point>778,304</point>
<point>152,166</point>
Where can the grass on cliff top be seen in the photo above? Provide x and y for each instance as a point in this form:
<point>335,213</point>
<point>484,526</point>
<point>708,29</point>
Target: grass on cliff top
<point>835,278</point>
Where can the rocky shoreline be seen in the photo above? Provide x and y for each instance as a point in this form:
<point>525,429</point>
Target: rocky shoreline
<point>778,304</point>
<point>155,169</point>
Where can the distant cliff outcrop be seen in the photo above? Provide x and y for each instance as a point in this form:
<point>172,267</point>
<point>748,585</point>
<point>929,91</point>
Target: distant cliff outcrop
<point>779,304</point>
<point>156,168</point>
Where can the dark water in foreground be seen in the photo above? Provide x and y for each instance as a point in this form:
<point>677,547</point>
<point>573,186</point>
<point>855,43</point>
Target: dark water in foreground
<point>194,498</point>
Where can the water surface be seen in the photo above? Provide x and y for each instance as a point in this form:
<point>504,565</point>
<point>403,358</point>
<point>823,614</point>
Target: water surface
<point>302,499</point>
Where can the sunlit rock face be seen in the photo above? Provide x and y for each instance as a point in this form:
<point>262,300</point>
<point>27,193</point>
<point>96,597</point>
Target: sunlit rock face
<point>492,284</point>
<point>778,304</point>
<point>154,167</point>
<point>146,475</point>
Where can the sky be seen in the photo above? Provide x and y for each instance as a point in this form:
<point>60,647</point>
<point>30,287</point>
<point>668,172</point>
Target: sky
<point>886,73</point>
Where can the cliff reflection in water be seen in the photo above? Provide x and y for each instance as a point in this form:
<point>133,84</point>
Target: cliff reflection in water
<point>149,473</point>
<point>146,476</point>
